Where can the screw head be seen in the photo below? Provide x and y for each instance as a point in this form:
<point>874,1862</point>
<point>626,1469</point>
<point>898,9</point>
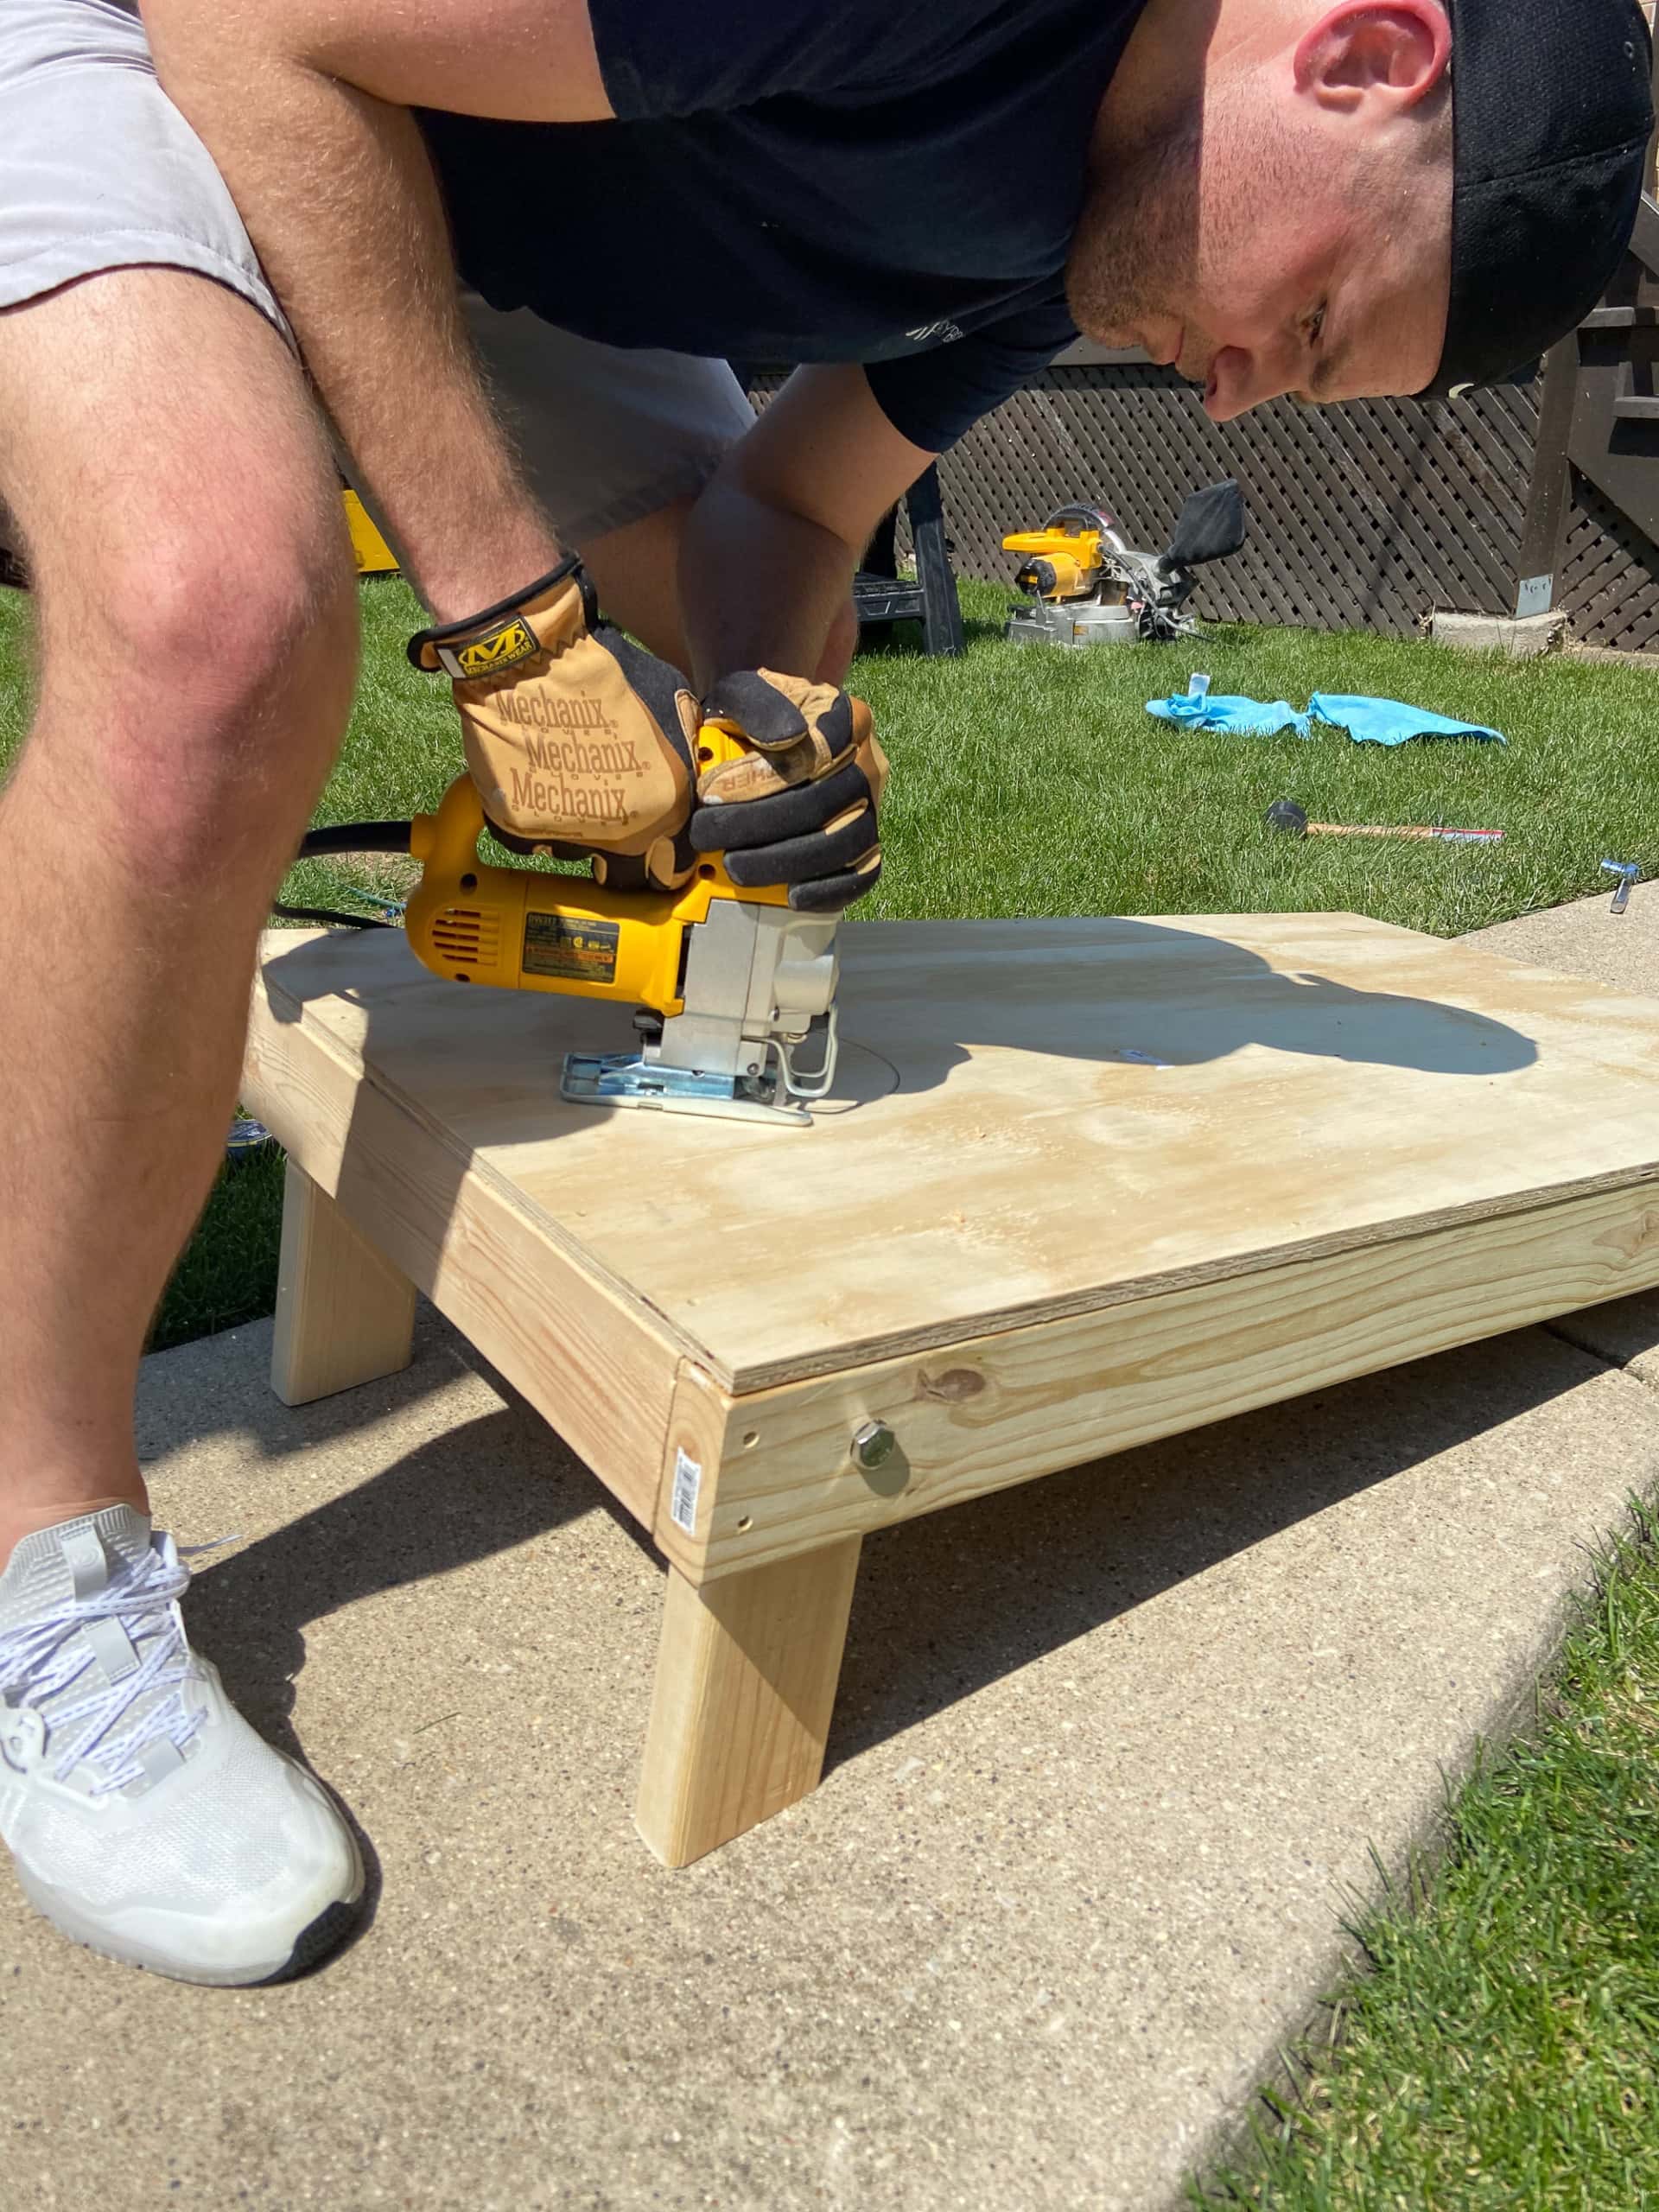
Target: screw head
<point>874,1444</point>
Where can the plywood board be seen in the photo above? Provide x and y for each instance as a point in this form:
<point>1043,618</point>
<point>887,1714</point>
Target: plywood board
<point>1033,1120</point>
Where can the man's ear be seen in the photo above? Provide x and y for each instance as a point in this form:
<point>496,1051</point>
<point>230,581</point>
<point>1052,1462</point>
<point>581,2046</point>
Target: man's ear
<point>1395,50</point>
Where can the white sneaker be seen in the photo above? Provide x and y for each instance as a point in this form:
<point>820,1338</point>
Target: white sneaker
<point>145,1817</point>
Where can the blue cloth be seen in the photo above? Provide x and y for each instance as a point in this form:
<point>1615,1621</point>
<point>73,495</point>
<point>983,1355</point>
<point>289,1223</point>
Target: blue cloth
<point>793,181</point>
<point>1368,722</point>
<point>1238,717</point>
<point>1387,722</point>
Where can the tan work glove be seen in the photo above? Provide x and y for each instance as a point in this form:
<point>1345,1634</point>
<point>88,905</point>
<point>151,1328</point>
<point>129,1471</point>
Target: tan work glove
<point>800,807</point>
<point>577,739</point>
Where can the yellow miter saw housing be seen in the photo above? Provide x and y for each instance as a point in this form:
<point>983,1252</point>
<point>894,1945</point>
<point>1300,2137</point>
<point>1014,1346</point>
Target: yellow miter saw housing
<point>1085,585</point>
<point>729,984</point>
<point>1063,574</point>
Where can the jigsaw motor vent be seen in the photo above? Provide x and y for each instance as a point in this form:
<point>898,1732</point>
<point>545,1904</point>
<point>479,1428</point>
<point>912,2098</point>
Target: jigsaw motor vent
<point>467,937</point>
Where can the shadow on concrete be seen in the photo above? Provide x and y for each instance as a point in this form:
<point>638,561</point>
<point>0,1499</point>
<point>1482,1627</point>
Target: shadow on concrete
<point>191,1392</point>
<point>495,1482</point>
<point>945,1605</point>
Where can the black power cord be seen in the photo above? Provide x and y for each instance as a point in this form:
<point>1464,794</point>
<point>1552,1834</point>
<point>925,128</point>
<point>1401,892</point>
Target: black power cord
<point>328,914</point>
<point>345,837</point>
<point>356,837</point>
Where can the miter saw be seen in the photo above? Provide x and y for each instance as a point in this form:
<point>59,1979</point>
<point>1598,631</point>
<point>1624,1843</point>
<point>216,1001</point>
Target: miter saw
<point>734,991</point>
<point>1085,585</point>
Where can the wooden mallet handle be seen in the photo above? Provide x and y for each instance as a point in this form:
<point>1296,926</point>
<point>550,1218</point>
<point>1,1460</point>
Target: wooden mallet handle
<point>1285,814</point>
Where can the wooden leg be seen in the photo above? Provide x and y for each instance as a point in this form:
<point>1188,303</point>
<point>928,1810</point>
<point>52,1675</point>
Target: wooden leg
<point>344,1315</point>
<point>746,1679</point>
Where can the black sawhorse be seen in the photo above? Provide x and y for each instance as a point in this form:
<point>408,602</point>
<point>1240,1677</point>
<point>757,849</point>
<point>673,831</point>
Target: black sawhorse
<point>880,595</point>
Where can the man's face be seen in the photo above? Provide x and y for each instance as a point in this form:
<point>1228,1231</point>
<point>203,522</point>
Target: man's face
<point>1251,256</point>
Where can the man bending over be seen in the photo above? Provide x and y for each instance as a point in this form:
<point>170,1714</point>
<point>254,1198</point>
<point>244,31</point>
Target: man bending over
<point>1328,198</point>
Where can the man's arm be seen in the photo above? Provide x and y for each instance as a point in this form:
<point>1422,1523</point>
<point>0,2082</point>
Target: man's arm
<point>304,105</point>
<point>770,548</point>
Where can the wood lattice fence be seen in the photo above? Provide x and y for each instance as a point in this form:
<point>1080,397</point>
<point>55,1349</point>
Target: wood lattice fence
<point>1610,575</point>
<point>1362,516</point>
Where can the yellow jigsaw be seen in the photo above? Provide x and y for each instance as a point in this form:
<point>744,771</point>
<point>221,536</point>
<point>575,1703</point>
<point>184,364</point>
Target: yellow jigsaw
<point>735,992</point>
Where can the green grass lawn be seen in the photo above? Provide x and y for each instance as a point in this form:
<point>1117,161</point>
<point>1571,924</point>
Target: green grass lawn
<point>1501,2050</point>
<point>1031,781</point>
<point>228,1272</point>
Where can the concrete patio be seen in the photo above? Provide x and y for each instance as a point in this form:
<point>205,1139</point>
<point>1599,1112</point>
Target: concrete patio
<point>1112,1757</point>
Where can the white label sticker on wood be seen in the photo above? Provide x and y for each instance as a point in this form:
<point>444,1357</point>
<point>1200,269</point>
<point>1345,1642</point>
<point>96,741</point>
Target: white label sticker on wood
<point>688,1482</point>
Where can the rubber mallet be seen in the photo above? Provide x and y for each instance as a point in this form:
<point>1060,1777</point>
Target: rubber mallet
<point>1285,814</point>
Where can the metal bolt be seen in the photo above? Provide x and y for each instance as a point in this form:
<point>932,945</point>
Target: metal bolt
<point>873,1445</point>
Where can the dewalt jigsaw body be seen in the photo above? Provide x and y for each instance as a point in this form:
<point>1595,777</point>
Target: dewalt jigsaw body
<point>734,992</point>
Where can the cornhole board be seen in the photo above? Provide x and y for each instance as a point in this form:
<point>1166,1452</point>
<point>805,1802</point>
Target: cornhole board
<point>1081,1184</point>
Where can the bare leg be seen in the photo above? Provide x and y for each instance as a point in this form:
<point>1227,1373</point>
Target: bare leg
<point>197,652</point>
<point>634,570</point>
<point>284,97</point>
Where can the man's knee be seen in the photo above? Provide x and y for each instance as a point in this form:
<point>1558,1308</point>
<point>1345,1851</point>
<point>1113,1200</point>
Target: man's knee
<point>236,629</point>
<point>196,682</point>
<point>635,570</point>
<point>184,532</point>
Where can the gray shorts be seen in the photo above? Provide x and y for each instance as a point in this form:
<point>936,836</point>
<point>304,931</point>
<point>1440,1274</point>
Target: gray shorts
<point>99,170</point>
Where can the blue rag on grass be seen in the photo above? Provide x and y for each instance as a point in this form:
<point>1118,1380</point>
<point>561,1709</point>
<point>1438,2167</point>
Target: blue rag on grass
<point>1387,722</point>
<point>1368,722</point>
<point>1237,717</point>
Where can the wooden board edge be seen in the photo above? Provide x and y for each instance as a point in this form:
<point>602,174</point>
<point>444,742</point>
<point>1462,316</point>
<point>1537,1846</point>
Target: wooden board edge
<point>699,1425</point>
<point>857,1357</point>
<point>741,1699</point>
<point>345,1315</point>
<point>1006,1407</point>
<point>599,1372</point>
<point>549,1226</point>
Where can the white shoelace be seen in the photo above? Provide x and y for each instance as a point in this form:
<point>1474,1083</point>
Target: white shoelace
<point>39,1659</point>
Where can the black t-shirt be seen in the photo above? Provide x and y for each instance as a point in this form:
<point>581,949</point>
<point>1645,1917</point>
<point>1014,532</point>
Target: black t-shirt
<point>879,180</point>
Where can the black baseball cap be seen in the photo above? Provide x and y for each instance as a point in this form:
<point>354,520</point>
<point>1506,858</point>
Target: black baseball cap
<point>1552,111</point>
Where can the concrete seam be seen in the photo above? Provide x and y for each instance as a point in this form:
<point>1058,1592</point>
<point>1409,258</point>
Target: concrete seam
<point>1559,1328</point>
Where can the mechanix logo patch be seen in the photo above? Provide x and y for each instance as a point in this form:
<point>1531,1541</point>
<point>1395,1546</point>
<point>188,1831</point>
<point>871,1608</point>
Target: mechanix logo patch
<point>502,647</point>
